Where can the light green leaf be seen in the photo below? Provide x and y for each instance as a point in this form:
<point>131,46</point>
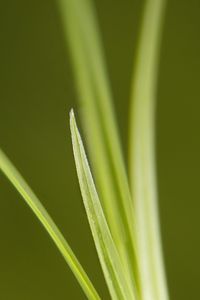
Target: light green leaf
<point>107,252</point>
<point>33,202</point>
<point>142,153</point>
<point>97,113</point>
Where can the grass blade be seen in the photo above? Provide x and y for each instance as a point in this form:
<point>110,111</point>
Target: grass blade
<point>108,255</point>
<point>33,202</point>
<point>142,153</point>
<point>81,30</point>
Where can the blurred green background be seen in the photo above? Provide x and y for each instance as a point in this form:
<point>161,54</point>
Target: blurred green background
<point>36,93</point>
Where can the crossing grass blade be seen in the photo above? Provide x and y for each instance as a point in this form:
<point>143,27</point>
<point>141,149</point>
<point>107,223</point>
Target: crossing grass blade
<point>107,252</point>
<point>33,202</point>
<point>98,121</point>
<point>142,153</point>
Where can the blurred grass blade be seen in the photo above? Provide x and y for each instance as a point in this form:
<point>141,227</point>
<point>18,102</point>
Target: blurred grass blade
<point>81,30</point>
<point>33,202</point>
<point>108,255</point>
<point>142,153</point>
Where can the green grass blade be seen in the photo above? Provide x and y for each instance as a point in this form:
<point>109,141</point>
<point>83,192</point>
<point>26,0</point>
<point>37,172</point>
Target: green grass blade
<point>142,153</point>
<point>81,30</point>
<point>108,255</point>
<point>33,202</point>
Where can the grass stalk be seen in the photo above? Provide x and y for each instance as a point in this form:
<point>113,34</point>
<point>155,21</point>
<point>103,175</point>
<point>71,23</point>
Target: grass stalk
<point>142,153</point>
<point>108,254</point>
<point>98,120</point>
<point>34,203</point>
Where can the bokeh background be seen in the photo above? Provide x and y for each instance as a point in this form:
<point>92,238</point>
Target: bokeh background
<point>36,93</point>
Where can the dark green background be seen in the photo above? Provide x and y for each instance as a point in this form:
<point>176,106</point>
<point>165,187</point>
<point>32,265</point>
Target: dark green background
<point>36,94</point>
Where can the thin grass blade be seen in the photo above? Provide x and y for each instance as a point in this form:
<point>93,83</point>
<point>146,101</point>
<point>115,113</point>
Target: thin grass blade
<point>97,113</point>
<point>107,252</point>
<point>33,202</point>
<point>142,153</point>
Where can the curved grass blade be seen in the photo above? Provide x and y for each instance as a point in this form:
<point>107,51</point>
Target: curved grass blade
<point>108,255</point>
<point>97,113</point>
<point>33,202</point>
<point>142,153</point>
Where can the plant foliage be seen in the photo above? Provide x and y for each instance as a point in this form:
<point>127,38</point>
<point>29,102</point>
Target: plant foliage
<point>123,219</point>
